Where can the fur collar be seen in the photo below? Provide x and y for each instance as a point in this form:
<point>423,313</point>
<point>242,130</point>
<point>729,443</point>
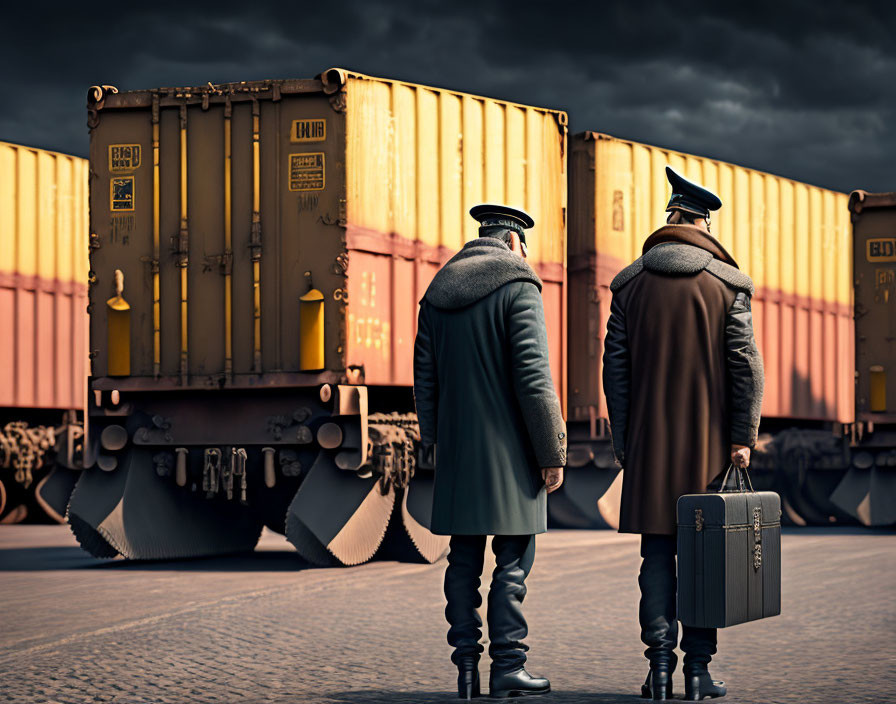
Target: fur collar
<point>482,266</point>
<point>692,235</point>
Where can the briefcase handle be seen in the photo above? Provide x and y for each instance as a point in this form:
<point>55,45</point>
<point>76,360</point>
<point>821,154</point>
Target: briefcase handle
<point>739,478</point>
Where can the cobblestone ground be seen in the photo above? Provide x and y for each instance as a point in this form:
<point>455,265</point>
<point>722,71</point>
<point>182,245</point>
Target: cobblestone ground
<point>261,628</point>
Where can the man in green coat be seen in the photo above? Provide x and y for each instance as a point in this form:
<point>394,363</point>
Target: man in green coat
<point>485,399</point>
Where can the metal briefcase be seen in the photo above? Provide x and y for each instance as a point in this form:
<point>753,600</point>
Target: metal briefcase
<point>729,556</point>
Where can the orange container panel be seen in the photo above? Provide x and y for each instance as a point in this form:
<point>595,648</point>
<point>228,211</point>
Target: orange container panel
<point>417,159</point>
<point>791,238</point>
<point>43,279</point>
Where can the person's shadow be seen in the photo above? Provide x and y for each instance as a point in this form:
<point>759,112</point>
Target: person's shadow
<point>396,697</point>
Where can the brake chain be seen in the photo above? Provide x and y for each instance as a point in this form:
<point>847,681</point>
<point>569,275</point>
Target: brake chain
<point>394,437</point>
<point>23,448</point>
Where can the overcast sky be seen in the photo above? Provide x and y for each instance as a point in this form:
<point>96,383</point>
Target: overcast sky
<point>803,89</point>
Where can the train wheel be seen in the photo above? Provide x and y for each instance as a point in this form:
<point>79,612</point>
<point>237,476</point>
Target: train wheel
<point>54,491</point>
<point>136,513</point>
<point>868,491</point>
<point>588,498</point>
<point>337,517</point>
<point>409,538</point>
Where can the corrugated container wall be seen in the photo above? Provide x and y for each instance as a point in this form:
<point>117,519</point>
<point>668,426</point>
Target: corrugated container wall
<point>43,279</point>
<point>417,159</point>
<point>791,238</point>
<point>356,186</point>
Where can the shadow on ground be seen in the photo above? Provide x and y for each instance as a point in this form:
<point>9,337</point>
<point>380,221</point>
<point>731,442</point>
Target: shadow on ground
<point>393,697</point>
<point>40,559</point>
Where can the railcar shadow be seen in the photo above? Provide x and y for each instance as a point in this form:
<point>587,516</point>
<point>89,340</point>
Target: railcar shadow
<point>393,697</point>
<point>41,559</point>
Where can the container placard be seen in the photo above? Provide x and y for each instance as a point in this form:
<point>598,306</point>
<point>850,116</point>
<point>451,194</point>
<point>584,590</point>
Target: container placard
<point>124,157</point>
<point>308,131</point>
<point>121,194</point>
<point>881,249</point>
<point>306,172</point>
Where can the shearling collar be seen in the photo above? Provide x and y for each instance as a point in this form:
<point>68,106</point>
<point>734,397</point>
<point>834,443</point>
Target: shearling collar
<point>482,266</point>
<point>692,235</point>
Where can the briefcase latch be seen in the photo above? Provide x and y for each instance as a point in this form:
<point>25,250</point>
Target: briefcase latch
<point>698,519</point>
<point>757,537</point>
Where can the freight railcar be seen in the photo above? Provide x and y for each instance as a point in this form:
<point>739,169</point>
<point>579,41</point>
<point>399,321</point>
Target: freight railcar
<point>257,255</point>
<point>43,325</point>
<point>257,252</point>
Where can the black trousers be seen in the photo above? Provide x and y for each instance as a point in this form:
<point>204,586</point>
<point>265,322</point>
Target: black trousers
<point>657,612</point>
<point>514,555</point>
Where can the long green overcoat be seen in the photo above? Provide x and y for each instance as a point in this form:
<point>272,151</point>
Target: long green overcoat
<point>484,395</point>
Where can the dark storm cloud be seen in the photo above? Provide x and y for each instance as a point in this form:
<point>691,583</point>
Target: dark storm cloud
<point>803,89</point>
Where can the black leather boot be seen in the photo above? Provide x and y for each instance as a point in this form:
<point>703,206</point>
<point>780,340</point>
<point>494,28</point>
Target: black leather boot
<point>462,594</point>
<point>699,684</point>
<point>517,683</point>
<point>468,677</point>
<point>699,645</point>
<point>659,626</point>
<point>658,684</point>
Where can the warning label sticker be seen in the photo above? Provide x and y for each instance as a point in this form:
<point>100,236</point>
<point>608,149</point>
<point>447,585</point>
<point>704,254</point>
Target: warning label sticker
<point>121,194</point>
<point>308,131</point>
<point>124,157</point>
<point>306,172</point>
<point>881,249</point>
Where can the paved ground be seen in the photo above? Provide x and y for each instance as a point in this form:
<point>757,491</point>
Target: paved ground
<point>261,628</point>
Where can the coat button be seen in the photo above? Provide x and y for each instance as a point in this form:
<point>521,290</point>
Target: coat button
<point>561,435</point>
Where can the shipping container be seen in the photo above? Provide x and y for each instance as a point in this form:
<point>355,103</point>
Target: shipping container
<point>793,239</point>
<point>417,160</point>
<point>259,250</point>
<point>43,279</point>
<point>874,242</point>
<point>361,191</point>
<point>43,322</point>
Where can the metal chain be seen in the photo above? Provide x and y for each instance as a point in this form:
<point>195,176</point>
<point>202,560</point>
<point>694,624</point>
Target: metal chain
<point>24,448</point>
<point>394,437</point>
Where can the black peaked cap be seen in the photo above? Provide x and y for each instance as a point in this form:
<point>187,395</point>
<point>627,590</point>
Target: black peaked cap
<point>690,197</point>
<point>492,214</point>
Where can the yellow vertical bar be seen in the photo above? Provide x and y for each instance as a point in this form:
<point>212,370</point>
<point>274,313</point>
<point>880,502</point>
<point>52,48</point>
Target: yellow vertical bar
<point>183,243</point>
<point>228,240</point>
<point>154,265</point>
<point>255,235</point>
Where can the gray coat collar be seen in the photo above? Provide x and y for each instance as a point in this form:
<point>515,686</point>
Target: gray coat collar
<point>482,266</point>
<point>676,259</point>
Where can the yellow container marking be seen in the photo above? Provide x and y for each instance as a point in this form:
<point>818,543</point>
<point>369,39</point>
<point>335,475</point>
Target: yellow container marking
<point>121,194</point>
<point>878,389</point>
<point>311,331</point>
<point>880,249</point>
<point>307,171</point>
<point>313,130</point>
<point>124,157</point>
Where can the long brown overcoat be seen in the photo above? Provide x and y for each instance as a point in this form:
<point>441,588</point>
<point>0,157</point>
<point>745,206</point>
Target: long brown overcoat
<point>682,375</point>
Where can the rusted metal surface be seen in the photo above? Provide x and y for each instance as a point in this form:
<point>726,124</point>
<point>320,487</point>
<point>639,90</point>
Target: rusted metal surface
<point>198,171</point>
<point>43,279</point>
<point>874,240</point>
<point>791,238</point>
<point>362,197</point>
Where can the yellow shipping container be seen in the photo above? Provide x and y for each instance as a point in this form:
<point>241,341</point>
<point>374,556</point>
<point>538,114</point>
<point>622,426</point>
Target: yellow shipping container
<point>43,278</point>
<point>417,159</point>
<point>793,239</point>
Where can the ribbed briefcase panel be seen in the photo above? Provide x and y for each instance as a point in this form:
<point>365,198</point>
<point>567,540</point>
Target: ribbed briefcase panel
<point>729,558</point>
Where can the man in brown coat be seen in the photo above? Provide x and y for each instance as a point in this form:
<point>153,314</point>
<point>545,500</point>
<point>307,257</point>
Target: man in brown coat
<point>683,381</point>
